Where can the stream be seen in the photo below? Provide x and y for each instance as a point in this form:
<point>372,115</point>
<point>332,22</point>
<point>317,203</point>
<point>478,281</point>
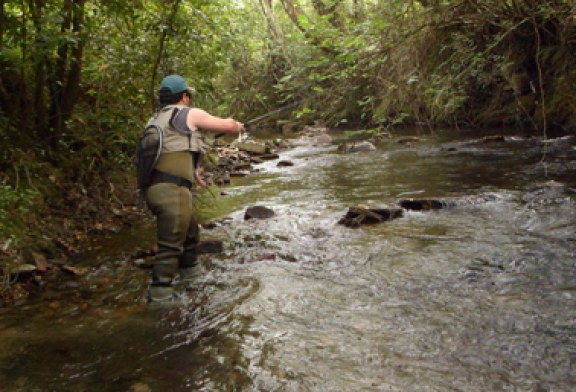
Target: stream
<point>477,297</point>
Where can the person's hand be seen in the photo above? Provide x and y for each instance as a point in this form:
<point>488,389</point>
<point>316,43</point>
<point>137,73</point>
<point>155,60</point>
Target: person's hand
<point>198,177</point>
<point>240,127</point>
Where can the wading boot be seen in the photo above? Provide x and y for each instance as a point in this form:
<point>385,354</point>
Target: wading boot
<point>161,294</point>
<point>190,274</point>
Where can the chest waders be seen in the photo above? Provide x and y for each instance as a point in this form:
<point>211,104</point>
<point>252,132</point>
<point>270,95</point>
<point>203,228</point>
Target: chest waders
<point>169,198</point>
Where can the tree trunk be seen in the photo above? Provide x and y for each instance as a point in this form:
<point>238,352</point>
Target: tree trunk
<point>266,7</point>
<point>334,17</point>
<point>22,109</point>
<point>39,53</point>
<point>72,86</point>
<point>359,11</point>
<point>295,13</point>
<point>2,24</point>
<point>65,78</point>
<point>3,93</point>
<point>57,77</point>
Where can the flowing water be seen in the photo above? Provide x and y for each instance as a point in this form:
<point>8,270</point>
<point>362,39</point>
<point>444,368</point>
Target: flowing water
<point>478,297</point>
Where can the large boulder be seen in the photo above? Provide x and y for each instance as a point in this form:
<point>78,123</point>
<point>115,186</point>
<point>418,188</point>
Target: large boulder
<point>364,215</point>
<point>253,147</point>
<point>258,212</point>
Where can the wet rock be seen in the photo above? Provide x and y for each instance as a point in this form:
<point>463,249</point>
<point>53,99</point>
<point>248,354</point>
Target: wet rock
<point>425,204</point>
<point>288,127</point>
<point>285,164</point>
<point>143,253</point>
<point>240,173</point>
<point>69,285</point>
<point>21,271</point>
<point>281,143</point>
<point>35,258</point>
<point>78,271</point>
<point>314,129</point>
<point>214,224</point>
<point>143,263</point>
<point>436,204</point>
<point>364,215</point>
<point>263,257</point>
<point>493,139</point>
<point>242,166</point>
<point>547,193</point>
<point>351,147</point>
<point>209,247</point>
<point>258,212</point>
<point>256,160</point>
<point>253,147</point>
<point>140,387</point>
<point>269,156</point>
<point>222,179</point>
<point>6,245</point>
<point>324,139</point>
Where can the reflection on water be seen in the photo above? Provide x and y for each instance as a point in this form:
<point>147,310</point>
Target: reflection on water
<point>473,298</point>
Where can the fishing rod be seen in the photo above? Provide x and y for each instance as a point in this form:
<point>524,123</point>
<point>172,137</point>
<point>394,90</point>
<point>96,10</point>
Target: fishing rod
<point>249,123</point>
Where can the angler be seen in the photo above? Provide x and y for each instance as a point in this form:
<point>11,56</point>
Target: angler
<point>165,176</point>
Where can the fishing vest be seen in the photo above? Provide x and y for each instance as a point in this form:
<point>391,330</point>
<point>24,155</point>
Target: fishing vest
<point>167,147</point>
<point>179,141</point>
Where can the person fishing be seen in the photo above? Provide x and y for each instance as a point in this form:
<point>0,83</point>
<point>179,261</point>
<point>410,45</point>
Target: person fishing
<point>168,191</point>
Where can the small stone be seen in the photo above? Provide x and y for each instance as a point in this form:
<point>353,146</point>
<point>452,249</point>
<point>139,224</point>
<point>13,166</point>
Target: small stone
<point>209,247</point>
<point>139,387</point>
<point>22,270</point>
<point>75,270</point>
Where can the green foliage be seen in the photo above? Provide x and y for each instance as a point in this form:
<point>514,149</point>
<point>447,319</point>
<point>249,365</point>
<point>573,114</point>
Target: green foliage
<point>14,208</point>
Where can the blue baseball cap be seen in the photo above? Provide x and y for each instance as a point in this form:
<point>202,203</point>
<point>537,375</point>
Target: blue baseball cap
<point>175,84</point>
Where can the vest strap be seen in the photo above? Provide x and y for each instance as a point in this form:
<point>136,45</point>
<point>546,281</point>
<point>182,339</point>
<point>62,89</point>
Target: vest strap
<point>161,177</point>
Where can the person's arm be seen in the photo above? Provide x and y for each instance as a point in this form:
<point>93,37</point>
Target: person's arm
<point>198,118</point>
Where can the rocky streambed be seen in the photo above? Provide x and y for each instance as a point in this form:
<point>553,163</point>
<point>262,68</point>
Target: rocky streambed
<point>470,287</point>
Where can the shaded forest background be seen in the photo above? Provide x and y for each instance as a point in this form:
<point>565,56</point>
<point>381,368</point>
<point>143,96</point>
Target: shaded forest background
<point>78,80</point>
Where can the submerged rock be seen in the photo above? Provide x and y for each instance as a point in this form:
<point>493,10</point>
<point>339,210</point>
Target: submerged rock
<point>364,215</point>
<point>209,247</point>
<point>285,163</point>
<point>437,204</point>
<point>493,139</point>
<point>551,191</point>
<point>258,212</point>
<point>363,146</point>
<point>425,204</point>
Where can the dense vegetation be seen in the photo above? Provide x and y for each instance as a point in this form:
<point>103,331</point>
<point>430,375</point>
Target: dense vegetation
<point>78,77</point>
